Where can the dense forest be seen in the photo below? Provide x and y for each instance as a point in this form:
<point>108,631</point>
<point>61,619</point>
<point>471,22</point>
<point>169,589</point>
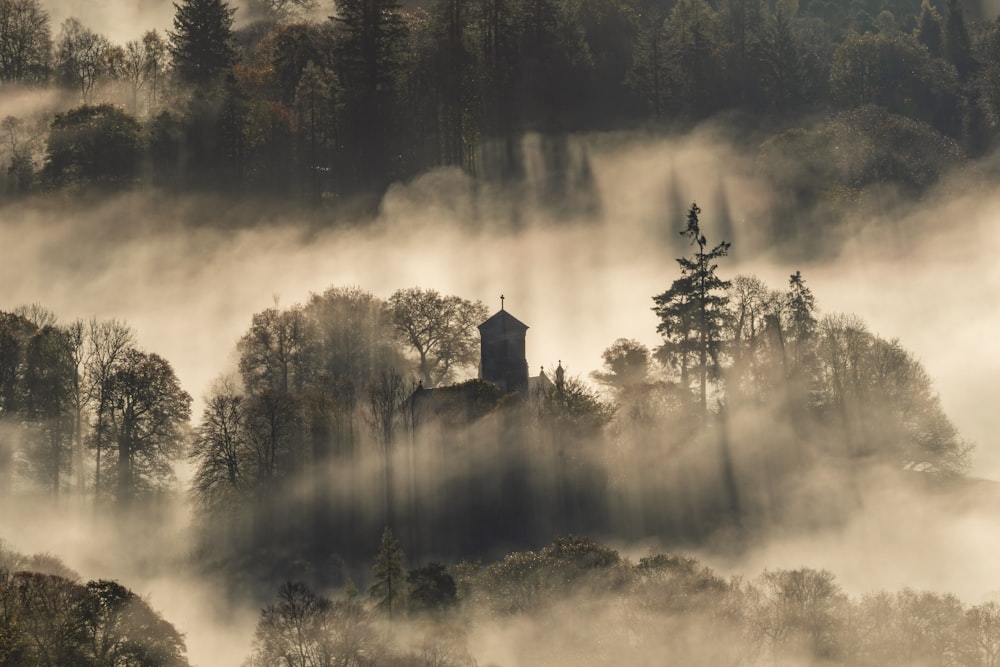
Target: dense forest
<point>835,97</point>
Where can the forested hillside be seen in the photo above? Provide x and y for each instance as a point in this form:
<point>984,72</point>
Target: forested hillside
<point>837,97</point>
<point>318,439</point>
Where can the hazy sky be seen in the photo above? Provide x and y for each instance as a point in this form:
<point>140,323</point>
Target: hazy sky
<point>119,20</point>
<point>122,20</point>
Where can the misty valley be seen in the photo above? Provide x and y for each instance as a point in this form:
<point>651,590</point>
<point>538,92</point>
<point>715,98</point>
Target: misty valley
<point>507,333</point>
<point>387,484</point>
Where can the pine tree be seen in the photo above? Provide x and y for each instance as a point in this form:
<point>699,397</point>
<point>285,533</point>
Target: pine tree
<point>369,55</point>
<point>929,29</point>
<point>388,575</point>
<point>693,311</point>
<point>957,44</point>
<point>201,44</point>
<point>801,317</point>
<point>648,74</point>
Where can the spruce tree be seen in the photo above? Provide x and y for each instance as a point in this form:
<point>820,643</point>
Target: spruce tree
<point>929,29</point>
<point>801,317</point>
<point>957,43</point>
<point>201,44</point>
<point>388,575</point>
<point>693,311</point>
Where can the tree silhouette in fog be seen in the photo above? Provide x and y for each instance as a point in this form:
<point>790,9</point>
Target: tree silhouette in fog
<point>440,329</point>
<point>388,587</point>
<point>48,618</point>
<point>98,145</point>
<point>692,312</point>
<point>147,417</point>
<point>201,43</point>
<point>26,43</point>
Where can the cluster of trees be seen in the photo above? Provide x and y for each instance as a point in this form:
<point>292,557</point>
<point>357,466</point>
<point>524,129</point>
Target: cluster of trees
<point>304,628</point>
<point>48,617</point>
<point>314,376</point>
<point>326,431</point>
<point>327,399</point>
<point>578,601</point>
<point>747,346</point>
<point>83,409</point>
<point>750,388</point>
<point>377,92</point>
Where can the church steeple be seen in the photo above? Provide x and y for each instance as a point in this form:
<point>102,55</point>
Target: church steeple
<point>502,351</point>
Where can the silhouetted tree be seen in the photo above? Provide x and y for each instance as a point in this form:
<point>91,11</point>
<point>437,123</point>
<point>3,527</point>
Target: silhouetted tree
<point>897,73</point>
<point>201,43</point>
<point>440,329</point>
<point>692,312</point>
<point>649,74</point>
<point>303,629</point>
<point>82,57</point>
<point>25,42</point>
<point>801,605</point>
<point>48,618</point>
<point>142,66</point>
<point>626,363</point>
<point>97,145</point>
<point>957,46</point>
<point>783,69</point>
<point>800,312</point>
<point>929,29</point>
<point>226,460</point>
<point>431,589</point>
<point>753,341</point>
<point>148,412</point>
<point>883,401</point>
<point>693,43</point>
<point>107,342</point>
<point>277,10</point>
<point>121,628</point>
<point>48,405</point>
<point>368,56</point>
<point>388,586</point>
<point>317,104</point>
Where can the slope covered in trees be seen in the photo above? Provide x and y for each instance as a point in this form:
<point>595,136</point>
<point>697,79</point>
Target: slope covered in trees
<point>48,617</point>
<point>322,111</point>
<point>758,415</point>
<point>576,601</point>
<point>84,410</point>
<point>319,438</point>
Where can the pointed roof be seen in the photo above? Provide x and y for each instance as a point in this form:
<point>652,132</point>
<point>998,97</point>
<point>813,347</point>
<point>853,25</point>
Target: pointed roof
<point>503,320</point>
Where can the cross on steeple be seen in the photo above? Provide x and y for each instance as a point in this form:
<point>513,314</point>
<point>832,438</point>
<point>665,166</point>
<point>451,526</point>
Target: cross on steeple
<point>501,301</point>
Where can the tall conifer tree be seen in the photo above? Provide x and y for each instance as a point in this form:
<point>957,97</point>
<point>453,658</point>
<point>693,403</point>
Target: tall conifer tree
<point>692,312</point>
<point>388,575</point>
<point>201,43</point>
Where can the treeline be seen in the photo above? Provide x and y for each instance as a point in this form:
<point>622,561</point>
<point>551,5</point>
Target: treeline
<point>326,434</point>
<point>84,410</point>
<point>48,617</point>
<point>740,345</point>
<point>349,412</point>
<point>576,601</point>
<point>322,110</point>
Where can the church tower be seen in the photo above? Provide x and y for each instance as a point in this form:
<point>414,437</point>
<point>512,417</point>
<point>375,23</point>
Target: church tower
<point>502,358</point>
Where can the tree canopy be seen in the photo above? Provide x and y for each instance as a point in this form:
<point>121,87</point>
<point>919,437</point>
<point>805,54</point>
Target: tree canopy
<point>201,43</point>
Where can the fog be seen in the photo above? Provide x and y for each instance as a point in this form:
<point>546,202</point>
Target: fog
<point>124,20</point>
<point>118,20</point>
<point>188,273</point>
